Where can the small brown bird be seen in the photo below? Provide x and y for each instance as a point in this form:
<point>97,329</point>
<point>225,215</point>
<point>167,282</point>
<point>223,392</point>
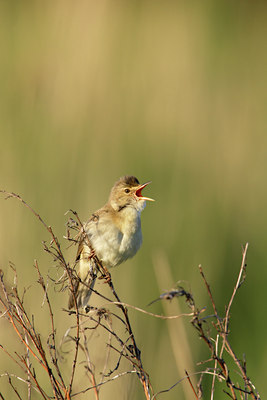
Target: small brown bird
<point>114,232</point>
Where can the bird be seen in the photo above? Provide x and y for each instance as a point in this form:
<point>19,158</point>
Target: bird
<point>113,234</point>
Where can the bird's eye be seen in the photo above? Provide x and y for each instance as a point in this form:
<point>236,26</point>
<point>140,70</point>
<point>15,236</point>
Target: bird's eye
<point>127,190</point>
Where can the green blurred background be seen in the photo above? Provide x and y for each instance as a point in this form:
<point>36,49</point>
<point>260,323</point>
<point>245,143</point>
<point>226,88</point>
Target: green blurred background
<point>173,92</point>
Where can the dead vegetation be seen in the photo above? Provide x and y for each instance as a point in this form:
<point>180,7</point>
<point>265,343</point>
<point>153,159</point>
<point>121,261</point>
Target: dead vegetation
<point>40,360</point>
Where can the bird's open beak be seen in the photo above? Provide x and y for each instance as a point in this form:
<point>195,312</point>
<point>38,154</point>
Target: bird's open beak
<point>138,192</point>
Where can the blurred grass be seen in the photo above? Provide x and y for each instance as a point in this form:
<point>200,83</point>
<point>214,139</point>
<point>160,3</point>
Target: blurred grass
<point>172,92</point>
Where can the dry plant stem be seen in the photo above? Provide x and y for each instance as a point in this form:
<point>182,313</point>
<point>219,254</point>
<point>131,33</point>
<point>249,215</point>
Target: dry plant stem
<point>33,344</point>
<point>18,316</point>
<point>107,354</point>
<point>27,360</point>
<point>223,332</point>
<point>59,256</point>
<point>210,296</point>
<point>52,347</point>
<point>36,340</point>
<point>103,383</point>
<point>152,314</point>
<point>226,342</point>
<point>181,349</point>
<point>14,311</point>
<point>226,322</point>
<point>140,371</point>
<point>110,331</point>
<point>215,367</point>
<point>89,367</point>
<point>192,387</point>
<point>143,377</point>
<point>45,396</point>
<point>15,390</point>
<point>247,381</point>
<point>16,362</point>
<point>16,196</point>
<point>198,324</point>
<point>181,380</point>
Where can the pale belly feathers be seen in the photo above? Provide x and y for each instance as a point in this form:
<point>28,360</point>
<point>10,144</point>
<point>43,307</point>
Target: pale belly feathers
<point>115,242</point>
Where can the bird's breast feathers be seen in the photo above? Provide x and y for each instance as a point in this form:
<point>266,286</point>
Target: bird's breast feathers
<point>117,240</point>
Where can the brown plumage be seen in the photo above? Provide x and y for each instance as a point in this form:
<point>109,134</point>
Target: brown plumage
<point>114,232</point>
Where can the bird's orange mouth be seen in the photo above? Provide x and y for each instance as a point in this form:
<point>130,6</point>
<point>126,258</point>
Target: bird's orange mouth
<point>138,192</point>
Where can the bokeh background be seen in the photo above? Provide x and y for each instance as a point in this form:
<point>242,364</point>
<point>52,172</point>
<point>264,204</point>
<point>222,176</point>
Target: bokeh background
<point>173,92</point>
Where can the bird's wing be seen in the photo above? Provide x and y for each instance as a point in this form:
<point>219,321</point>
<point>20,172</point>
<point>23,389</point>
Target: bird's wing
<point>86,273</point>
<point>84,282</point>
<point>86,267</point>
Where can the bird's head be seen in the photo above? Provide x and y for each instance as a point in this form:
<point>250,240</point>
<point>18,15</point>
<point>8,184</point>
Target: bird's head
<point>127,191</point>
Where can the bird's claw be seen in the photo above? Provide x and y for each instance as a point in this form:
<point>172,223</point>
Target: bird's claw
<point>105,275</point>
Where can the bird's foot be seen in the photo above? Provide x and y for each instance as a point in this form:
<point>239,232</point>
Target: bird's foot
<point>92,254</point>
<point>105,275</point>
<point>107,278</point>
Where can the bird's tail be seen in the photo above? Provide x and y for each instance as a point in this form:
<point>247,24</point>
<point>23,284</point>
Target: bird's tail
<point>82,293</point>
<point>84,283</point>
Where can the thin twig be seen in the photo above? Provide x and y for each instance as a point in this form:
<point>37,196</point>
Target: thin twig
<point>103,383</point>
<point>52,347</point>
<point>152,314</point>
<point>19,379</point>
<point>181,380</point>
<point>190,383</point>
<point>89,365</point>
<point>60,257</point>
<point>215,367</point>
<point>210,296</point>
<point>237,285</point>
<point>14,389</point>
